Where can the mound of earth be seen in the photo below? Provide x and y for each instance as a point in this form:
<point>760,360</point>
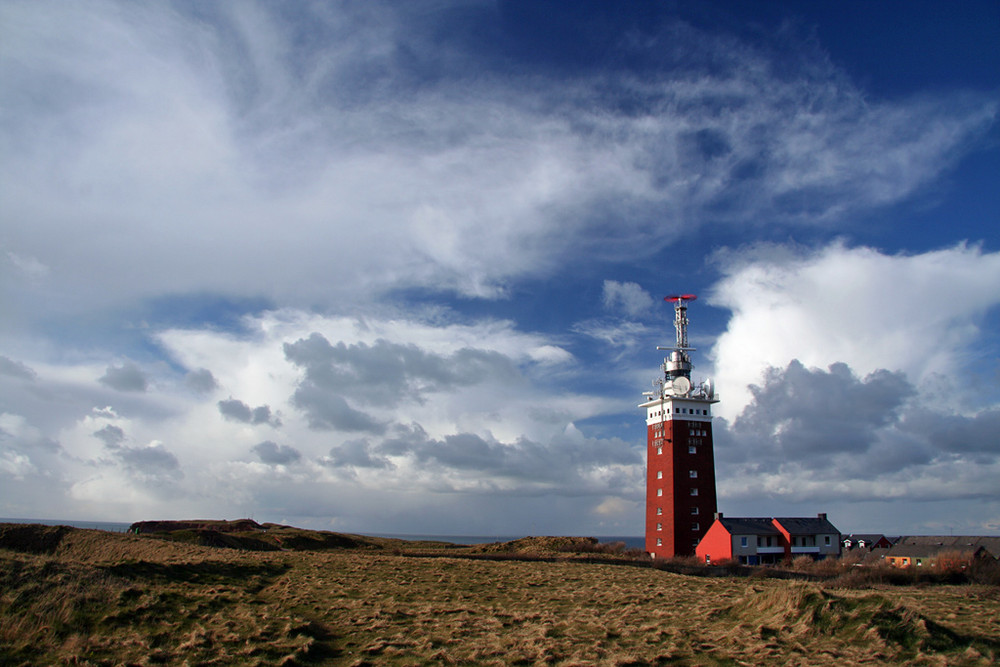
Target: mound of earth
<point>31,537</point>
<point>539,546</point>
<point>248,535</point>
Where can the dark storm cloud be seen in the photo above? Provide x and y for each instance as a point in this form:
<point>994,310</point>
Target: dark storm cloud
<point>807,416</point>
<point>239,411</point>
<point>275,454</point>
<point>201,380</point>
<point>385,372</point>
<point>127,377</point>
<point>356,453</point>
<point>15,369</point>
<point>111,435</point>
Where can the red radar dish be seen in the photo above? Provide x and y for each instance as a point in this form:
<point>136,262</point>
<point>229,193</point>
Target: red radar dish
<point>680,297</point>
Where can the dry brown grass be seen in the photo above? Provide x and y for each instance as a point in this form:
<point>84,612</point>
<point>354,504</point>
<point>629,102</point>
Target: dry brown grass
<point>105,599</point>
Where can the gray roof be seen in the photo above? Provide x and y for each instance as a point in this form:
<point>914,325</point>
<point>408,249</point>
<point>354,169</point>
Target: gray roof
<point>749,526</point>
<point>930,550</point>
<point>954,542</point>
<point>869,538</point>
<point>802,526</point>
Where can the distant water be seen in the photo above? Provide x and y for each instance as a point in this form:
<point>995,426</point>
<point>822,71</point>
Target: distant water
<point>110,526</point>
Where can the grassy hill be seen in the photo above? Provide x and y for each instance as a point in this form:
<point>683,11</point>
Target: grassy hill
<point>86,597</point>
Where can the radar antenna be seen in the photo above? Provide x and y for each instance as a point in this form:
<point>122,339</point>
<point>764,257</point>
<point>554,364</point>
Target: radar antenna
<point>678,364</point>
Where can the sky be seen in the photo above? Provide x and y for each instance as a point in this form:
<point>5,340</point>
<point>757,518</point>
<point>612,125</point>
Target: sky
<point>387,267</point>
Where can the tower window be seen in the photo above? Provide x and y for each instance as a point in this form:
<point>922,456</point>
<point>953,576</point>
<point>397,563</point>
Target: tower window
<point>659,526</point>
<point>694,511</point>
<point>659,474</point>
<point>659,510</point>
<point>659,542</point>
<point>692,449</point>
<point>695,526</point>
<point>693,474</point>
<point>659,450</point>
<point>694,492</point>
<point>659,492</point>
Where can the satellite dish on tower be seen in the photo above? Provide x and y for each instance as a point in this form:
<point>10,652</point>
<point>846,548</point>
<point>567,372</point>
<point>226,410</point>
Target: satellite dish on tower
<point>708,388</point>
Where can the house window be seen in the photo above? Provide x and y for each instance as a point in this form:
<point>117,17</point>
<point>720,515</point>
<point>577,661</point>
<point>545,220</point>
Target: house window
<point>919,562</point>
<point>695,526</point>
<point>760,541</point>
<point>659,526</point>
<point>659,474</point>
<point>659,511</point>
<point>743,541</point>
<point>659,542</point>
<point>692,449</point>
<point>659,492</point>
<point>693,474</point>
<point>827,540</point>
<point>694,511</point>
<point>694,492</point>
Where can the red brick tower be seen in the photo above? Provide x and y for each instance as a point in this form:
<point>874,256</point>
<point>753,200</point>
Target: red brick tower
<point>680,462</point>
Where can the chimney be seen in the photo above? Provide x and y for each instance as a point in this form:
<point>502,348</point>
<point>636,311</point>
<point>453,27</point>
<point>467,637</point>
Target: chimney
<point>718,515</point>
<point>822,516</point>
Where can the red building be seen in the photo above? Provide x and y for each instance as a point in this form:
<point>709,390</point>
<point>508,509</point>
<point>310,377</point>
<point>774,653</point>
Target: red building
<point>680,461</point>
<point>759,541</point>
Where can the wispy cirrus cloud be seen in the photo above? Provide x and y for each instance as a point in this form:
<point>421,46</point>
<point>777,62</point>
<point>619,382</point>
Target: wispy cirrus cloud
<point>409,172</point>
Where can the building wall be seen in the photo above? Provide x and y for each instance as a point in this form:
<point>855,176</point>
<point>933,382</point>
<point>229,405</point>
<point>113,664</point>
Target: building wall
<point>716,545</point>
<point>679,442</point>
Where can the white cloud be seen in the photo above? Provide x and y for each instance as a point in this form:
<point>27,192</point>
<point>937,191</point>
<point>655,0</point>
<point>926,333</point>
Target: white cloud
<point>459,408</point>
<point>629,297</point>
<point>322,171</point>
<point>917,314</point>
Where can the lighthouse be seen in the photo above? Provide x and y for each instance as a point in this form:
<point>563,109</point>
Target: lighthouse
<point>680,461</point>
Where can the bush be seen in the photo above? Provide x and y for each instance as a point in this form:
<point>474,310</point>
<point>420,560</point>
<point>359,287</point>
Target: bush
<point>984,571</point>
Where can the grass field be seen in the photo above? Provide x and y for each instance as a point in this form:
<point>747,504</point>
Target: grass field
<point>90,598</point>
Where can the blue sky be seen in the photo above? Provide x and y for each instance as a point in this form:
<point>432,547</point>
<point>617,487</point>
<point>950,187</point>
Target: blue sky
<point>399,267</point>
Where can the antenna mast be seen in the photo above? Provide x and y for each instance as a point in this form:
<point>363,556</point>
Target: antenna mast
<point>679,362</point>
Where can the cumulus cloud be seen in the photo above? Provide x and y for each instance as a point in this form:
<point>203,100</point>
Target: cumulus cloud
<point>127,377</point>
<point>152,462</point>
<point>111,435</point>
<point>385,373</point>
<point>828,434</point>
<point>201,380</point>
<point>800,412</point>
<point>275,454</point>
<point>328,411</point>
<point>916,314</point>
<point>239,411</point>
<point>357,453</point>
